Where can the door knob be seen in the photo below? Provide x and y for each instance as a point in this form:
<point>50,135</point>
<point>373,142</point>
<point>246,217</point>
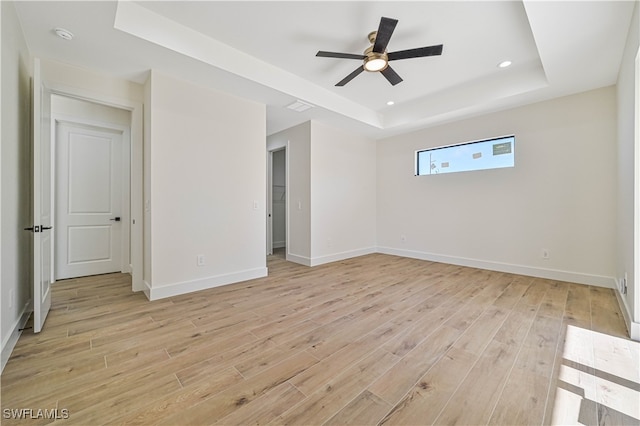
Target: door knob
<point>116,219</point>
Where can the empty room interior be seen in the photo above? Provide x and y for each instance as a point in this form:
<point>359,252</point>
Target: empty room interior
<point>320,212</point>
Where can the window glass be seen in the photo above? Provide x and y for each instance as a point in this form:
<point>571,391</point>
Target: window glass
<point>486,154</point>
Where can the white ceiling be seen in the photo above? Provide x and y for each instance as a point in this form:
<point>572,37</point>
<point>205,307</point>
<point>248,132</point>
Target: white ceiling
<point>265,51</point>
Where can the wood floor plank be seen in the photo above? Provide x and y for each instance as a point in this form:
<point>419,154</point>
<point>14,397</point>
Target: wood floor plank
<point>396,382</point>
<point>265,408</point>
<point>476,338</point>
<point>521,402</point>
<point>423,403</point>
<point>156,410</point>
<point>322,373</point>
<point>330,399</point>
<point>485,382</point>
<point>605,313</point>
<point>365,408</point>
<point>217,360</point>
<point>226,402</point>
<point>122,401</point>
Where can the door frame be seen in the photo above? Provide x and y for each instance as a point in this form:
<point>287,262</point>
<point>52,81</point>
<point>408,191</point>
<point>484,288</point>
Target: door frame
<point>270,197</point>
<point>125,236</point>
<point>635,328</point>
<point>269,203</point>
<point>136,219</point>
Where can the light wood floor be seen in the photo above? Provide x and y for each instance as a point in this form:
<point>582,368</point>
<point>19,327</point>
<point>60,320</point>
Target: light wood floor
<point>372,340</point>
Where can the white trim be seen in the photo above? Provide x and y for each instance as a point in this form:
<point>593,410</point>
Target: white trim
<point>10,341</point>
<point>269,218</point>
<point>279,244</point>
<point>302,260</point>
<point>636,203</point>
<point>552,274</point>
<point>315,261</point>
<point>147,289</point>
<point>633,328</point>
<point>176,289</point>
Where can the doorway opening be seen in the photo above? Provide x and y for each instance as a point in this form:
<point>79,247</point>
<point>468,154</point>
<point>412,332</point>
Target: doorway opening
<point>277,203</point>
<point>91,188</point>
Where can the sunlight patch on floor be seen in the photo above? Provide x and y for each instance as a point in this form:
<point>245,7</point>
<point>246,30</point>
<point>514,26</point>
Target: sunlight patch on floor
<point>599,379</point>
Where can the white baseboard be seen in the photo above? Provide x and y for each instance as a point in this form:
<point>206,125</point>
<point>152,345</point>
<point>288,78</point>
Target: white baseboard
<point>175,289</point>
<point>279,244</point>
<point>302,260</point>
<point>632,327</point>
<point>147,289</point>
<point>315,261</point>
<point>16,331</point>
<point>551,274</point>
<point>334,257</point>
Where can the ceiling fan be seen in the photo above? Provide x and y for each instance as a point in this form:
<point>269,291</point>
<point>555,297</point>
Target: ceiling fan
<point>376,58</point>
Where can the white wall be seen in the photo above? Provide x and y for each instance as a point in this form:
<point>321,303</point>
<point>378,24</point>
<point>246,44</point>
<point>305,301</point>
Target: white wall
<point>343,194</point>
<point>89,110</point>
<point>207,187</point>
<point>101,86</point>
<point>331,193</point>
<point>15,155</point>
<point>297,141</point>
<point>560,196</point>
<point>627,259</point>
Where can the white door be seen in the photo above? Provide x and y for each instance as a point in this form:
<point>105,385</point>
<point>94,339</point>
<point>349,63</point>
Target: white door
<point>88,200</point>
<point>41,200</point>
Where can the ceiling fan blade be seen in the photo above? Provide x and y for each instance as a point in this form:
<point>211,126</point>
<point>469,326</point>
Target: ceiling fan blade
<point>339,55</point>
<point>385,31</point>
<point>415,53</point>
<point>391,75</point>
<point>350,76</point>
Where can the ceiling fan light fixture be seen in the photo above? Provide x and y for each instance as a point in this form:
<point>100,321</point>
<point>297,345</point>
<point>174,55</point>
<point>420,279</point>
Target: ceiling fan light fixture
<point>375,62</point>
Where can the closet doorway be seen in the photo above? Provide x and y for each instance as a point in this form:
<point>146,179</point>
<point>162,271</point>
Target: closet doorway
<point>277,205</point>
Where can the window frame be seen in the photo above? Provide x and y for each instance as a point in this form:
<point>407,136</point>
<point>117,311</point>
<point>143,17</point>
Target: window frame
<point>418,152</point>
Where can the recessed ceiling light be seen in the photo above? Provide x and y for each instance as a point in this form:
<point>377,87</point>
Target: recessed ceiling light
<point>504,64</point>
<point>64,34</point>
<point>390,103</point>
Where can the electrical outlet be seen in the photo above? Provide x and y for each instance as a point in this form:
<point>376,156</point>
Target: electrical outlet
<point>200,260</point>
<point>622,284</point>
<point>544,254</point>
<point>625,283</point>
